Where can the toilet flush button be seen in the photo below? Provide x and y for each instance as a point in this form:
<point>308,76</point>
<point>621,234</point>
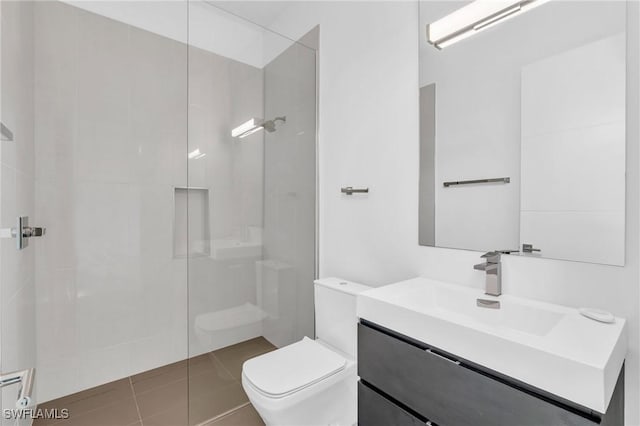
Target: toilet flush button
<point>342,283</point>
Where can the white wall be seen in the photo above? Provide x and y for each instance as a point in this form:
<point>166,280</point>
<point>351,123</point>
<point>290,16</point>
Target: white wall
<point>368,125</point>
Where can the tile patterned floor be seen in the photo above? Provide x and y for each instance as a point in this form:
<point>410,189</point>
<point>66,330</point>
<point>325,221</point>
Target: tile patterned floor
<point>205,390</point>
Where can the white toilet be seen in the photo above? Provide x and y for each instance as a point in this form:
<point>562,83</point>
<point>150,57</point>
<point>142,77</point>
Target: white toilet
<point>312,382</point>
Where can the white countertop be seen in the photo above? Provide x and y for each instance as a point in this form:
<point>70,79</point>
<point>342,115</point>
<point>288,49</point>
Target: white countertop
<point>550,347</point>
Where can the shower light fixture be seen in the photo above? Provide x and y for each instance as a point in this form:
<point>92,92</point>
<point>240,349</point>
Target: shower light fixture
<point>473,18</point>
<point>195,154</point>
<point>249,127</point>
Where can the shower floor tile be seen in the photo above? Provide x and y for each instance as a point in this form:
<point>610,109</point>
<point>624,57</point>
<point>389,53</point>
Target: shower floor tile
<point>205,389</point>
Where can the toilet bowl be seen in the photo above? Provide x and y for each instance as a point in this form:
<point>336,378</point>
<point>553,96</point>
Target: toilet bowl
<point>312,382</point>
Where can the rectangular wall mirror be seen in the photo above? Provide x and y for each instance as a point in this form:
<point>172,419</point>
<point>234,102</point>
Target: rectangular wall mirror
<point>522,128</point>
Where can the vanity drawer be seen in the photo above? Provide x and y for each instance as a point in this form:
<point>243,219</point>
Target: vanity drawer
<point>448,392</point>
<point>376,410</point>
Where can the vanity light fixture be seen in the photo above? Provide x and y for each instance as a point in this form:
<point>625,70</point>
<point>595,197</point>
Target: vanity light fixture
<point>473,18</point>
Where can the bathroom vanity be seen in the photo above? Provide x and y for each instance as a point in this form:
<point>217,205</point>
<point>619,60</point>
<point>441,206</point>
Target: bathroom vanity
<point>428,354</point>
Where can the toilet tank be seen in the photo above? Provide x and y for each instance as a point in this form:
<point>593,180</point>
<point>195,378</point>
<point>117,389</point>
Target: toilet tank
<point>335,307</point>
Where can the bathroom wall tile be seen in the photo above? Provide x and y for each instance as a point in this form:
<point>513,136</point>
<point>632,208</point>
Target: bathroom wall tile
<point>156,221</point>
<point>91,368</point>
<point>8,212</point>
<point>106,318</point>
<point>17,85</point>
<point>159,108</point>
<point>162,296</point>
<point>246,85</point>
<point>56,71</point>
<point>112,213</point>
<point>56,313</point>
<point>17,323</point>
<point>158,350</point>
<point>18,328</point>
<point>55,210</point>
<point>200,136</point>
<point>25,206</point>
<point>104,151</point>
<point>57,377</point>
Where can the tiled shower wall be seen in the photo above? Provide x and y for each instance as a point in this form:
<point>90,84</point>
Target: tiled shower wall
<point>110,147</point>
<point>17,287</point>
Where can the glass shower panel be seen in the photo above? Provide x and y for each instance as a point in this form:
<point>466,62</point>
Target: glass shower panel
<point>96,95</point>
<point>251,202</point>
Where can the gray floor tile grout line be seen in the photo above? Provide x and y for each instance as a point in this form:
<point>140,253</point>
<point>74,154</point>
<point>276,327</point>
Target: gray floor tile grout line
<point>135,400</point>
<point>223,366</point>
<point>222,415</point>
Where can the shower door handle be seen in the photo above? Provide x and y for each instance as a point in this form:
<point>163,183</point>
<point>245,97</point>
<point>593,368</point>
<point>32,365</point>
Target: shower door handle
<point>22,232</point>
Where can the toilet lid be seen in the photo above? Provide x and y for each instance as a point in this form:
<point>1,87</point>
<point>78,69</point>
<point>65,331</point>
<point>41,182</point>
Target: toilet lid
<point>292,367</point>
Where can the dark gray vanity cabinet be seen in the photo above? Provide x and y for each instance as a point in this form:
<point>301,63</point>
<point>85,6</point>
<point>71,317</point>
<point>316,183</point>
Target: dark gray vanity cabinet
<point>406,382</point>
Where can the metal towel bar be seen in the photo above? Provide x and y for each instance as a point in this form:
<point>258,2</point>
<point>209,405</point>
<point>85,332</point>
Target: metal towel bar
<point>349,190</point>
<point>470,182</point>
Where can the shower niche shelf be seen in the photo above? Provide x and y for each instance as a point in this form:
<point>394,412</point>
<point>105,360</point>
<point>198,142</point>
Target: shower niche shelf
<point>191,237</point>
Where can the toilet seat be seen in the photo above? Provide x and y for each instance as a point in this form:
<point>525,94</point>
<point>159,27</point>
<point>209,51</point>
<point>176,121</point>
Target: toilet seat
<point>290,369</point>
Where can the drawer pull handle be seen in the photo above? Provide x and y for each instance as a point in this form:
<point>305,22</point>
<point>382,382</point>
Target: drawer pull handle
<point>442,356</point>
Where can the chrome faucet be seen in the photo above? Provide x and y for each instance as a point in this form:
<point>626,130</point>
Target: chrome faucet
<point>493,268</point>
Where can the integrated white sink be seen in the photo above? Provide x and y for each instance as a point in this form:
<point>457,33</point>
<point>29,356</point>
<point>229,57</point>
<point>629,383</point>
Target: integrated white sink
<point>551,347</point>
<point>458,304</point>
